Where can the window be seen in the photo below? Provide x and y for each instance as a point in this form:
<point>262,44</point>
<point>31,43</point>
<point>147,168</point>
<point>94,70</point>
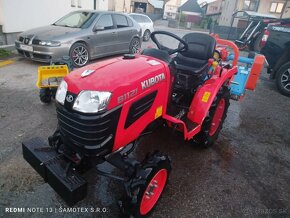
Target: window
<point>79,3</point>
<point>276,7</point>
<point>130,22</point>
<point>121,21</point>
<point>137,18</point>
<point>146,19</point>
<point>251,5</point>
<point>106,21</point>
<point>73,3</point>
<point>77,20</point>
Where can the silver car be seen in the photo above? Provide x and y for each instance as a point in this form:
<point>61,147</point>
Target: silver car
<point>82,35</point>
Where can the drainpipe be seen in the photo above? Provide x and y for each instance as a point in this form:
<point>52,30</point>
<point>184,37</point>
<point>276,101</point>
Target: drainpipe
<point>95,4</point>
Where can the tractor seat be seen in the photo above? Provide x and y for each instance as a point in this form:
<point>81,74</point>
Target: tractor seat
<point>201,47</point>
<point>156,53</point>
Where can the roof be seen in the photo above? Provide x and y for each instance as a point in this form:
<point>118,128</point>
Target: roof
<point>156,3</point>
<point>190,6</point>
<point>244,14</point>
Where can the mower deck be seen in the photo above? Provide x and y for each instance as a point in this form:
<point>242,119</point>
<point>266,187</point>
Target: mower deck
<point>55,170</point>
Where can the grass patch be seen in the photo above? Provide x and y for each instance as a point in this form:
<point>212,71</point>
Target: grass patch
<point>4,53</point>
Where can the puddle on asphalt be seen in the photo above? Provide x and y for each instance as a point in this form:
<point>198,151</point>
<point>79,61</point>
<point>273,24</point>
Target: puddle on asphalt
<point>224,154</point>
<point>233,119</point>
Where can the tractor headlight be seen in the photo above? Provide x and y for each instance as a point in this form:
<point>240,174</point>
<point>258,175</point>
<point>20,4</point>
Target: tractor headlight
<point>92,101</point>
<point>61,92</point>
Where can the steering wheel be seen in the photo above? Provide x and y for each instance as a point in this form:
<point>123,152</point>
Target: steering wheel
<point>182,47</point>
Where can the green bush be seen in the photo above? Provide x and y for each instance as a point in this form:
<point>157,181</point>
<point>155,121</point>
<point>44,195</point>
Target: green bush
<point>4,53</point>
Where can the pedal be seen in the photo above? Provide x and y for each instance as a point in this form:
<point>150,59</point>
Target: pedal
<point>180,114</point>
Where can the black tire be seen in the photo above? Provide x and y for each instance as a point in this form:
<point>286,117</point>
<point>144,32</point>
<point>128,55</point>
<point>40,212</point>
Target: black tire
<point>147,185</point>
<point>146,35</point>
<point>45,95</point>
<point>135,46</point>
<point>79,54</point>
<point>283,79</point>
<point>209,131</point>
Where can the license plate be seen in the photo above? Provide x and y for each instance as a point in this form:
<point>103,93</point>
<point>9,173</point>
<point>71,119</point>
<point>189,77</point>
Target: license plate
<point>26,47</point>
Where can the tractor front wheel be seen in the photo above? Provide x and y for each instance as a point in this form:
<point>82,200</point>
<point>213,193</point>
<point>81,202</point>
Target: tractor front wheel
<point>213,123</point>
<point>45,95</point>
<point>144,189</point>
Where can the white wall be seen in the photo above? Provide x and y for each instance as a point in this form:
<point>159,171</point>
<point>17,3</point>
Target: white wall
<point>21,15</point>
<point>102,5</point>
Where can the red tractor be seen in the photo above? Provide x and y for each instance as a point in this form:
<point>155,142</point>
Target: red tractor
<point>105,107</point>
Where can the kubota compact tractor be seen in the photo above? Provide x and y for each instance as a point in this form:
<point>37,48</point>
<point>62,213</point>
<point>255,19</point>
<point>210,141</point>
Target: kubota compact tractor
<point>103,109</point>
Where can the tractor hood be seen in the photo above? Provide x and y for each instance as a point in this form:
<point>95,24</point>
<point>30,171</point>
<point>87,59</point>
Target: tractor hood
<point>120,76</point>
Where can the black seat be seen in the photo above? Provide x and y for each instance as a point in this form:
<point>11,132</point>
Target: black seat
<point>201,47</point>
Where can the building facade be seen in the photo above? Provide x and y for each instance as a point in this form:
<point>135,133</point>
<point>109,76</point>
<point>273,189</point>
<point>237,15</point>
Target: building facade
<point>171,8</point>
<point>17,15</point>
<point>278,8</point>
<point>214,10</point>
<point>138,6</point>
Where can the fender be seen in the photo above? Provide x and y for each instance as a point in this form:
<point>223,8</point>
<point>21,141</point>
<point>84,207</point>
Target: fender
<point>205,95</point>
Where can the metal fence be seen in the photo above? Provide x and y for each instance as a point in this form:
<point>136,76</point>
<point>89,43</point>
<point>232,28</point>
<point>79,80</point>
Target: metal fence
<point>225,32</point>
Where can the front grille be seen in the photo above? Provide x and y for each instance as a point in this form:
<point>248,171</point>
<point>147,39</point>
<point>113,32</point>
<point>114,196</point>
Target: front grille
<point>26,40</point>
<point>36,41</point>
<point>88,134</point>
<point>24,53</point>
<point>42,56</point>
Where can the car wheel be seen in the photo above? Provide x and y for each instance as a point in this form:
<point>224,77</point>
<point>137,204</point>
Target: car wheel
<point>79,53</point>
<point>283,79</point>
<point>146,35</point>
<point>135,46</point>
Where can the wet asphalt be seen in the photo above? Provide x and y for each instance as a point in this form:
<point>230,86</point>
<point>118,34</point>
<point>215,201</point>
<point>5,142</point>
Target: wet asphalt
<point>245,174</point>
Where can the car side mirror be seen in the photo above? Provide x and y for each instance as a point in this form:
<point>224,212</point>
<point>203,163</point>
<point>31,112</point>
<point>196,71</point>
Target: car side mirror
<point>99,28</point>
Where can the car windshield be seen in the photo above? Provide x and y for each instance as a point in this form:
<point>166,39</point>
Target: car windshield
<point>77,20</point>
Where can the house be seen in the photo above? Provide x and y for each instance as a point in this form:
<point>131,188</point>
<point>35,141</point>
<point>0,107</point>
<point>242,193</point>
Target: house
<point>192,11</point>
<point>278,8</point>
<point>120,5</point>
<point>171,8</point>
<point>17,15</point>
<point>213,10</point>
<point>139,6</point>
<point>147,6</point>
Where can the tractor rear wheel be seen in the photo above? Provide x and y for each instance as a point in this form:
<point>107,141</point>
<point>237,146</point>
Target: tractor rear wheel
<point>144,189</point>
<point>213,123</point>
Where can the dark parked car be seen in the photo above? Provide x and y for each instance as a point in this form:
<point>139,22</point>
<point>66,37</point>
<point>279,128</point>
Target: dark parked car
<point>277,52</point>
<point>83,35</point>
